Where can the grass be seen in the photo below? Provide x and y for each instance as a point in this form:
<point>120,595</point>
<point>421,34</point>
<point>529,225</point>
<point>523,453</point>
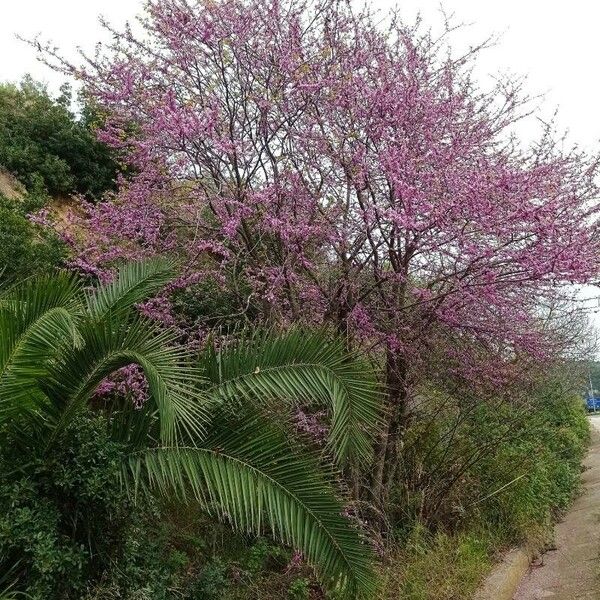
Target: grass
<point>438,566</point>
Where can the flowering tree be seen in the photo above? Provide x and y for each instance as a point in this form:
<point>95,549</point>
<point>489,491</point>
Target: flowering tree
<point>329,169</point>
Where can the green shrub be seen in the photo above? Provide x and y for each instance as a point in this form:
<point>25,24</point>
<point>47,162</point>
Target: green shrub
<point>212,581</point>
<point>539,465</point>
<point>43,143</point>
<point>213,305</point>
<point>65,523</point>
<point>490,474</point>
<point>263,555</point>
<point>299,589</point>
<point>25,247</point>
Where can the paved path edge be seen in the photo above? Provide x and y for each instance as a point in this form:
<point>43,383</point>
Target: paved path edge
<point>506,575</point>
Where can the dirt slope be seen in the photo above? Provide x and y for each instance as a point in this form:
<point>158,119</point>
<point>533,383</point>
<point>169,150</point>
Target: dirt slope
<point>9,186</point>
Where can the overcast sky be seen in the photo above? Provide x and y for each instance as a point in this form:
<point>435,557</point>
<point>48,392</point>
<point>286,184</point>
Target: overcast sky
<point>554,44</point>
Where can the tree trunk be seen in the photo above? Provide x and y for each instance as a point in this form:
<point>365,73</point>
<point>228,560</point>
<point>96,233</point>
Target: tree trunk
<point>386,451</point>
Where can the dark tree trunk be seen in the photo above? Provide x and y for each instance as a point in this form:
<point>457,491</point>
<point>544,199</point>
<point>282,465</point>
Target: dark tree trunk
<point>386,451</point>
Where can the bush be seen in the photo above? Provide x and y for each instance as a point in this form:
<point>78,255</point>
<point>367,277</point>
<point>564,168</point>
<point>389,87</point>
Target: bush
<point>506,463</point>
<point>71,532</point>
<point>540,466</point>
<point>44,144</point>
<point>299,589</point>
<point>212,581</point>
<point>209,304</point>
<point>490,474</point>
<point>26,248</point>
<point>65,522</point>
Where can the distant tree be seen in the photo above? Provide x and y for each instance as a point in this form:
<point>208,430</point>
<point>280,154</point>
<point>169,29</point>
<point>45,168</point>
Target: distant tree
<point>593,375</point>
<point>342,171</point>
<point>47,146</point>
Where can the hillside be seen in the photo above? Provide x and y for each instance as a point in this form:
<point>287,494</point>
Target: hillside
<point>9,187</point>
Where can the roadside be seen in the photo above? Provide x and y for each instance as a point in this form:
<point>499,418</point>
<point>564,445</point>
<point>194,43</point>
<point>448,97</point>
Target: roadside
<point>571,570</point>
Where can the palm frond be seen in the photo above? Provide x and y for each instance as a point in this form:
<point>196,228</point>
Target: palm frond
<point>134,282</point>
<point>114,343</point>
<point>36,318</point>
<point>302,366</point>
<point>248,473</point>
<point>58,344</point>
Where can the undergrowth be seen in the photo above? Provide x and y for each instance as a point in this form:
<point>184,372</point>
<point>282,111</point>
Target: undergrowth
<point>522,482</point>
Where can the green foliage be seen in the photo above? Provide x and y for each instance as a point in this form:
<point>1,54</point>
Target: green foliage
<point>492,474</point>
<point>510,464</point>
<point>61,515</point>
<point>212,581</point>
<point>249,471</point>
<point>25,248</point>
<point>309,367</point>
<point>52,152</point>
<point>263,554</point>
<point>188,440</point>
<point>438,566</point>
<point>211,305</point>
<point>539,465</point>
<point>299,589</point>
<point>45,145</point>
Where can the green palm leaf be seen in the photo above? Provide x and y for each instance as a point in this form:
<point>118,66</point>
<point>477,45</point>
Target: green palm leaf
<point>117,342</point>
<point>248,473</point>
<point>36,319</point>
<point>134,282</point>
<point>302,366</point>
<point>57,344</point>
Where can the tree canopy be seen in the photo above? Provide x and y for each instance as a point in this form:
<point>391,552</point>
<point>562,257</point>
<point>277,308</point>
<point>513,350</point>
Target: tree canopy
<point>332,170</point>
<point>47,146</point>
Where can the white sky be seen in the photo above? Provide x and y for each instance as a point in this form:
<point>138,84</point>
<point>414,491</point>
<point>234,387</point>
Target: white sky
<point>556,45</point>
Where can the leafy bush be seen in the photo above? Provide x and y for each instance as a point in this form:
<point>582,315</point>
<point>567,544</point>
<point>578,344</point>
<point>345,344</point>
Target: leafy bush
<point>212,581</point>
<point>505,463</point>
<point>490,474</point>
<point>25,248</point>
<point>45,145</point>
<point>540,467</point>
<point>72,530</point>
<point>209,304</point>
<point>264,555</point>
<point>62,526</point>
<point>299,589</point>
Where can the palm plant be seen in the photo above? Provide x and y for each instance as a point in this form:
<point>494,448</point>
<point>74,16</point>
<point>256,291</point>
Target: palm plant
<point>206,432</point>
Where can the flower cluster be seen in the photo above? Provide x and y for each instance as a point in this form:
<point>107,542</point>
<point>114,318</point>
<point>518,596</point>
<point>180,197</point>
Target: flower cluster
<point>311,425</point>
<point>128,382</point>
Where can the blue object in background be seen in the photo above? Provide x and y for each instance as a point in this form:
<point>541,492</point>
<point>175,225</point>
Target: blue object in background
<point>593,404</point>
